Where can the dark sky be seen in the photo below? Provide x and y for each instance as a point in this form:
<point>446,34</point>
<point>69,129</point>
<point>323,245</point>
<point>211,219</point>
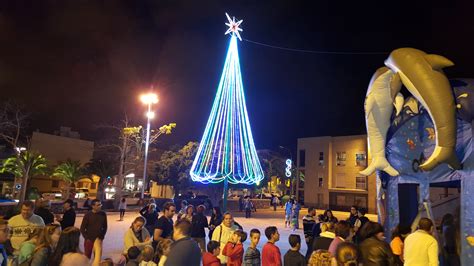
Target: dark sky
<point>81,63</point>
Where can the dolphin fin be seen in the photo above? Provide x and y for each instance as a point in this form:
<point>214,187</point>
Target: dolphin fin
<point>438,62</point>
<point>441,155</point>
<point>379,163</point>
<point>399,101</point>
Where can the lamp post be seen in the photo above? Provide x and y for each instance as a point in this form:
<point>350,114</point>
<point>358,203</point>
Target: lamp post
<point>291,168</point>
<point>148,99</point>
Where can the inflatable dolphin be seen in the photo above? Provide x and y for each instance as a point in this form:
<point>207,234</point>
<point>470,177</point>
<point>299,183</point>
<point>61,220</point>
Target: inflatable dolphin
<point>422,75</point>
<point>382,93</point>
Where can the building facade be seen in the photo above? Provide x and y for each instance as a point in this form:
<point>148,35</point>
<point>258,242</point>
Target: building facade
<point>328,173</point>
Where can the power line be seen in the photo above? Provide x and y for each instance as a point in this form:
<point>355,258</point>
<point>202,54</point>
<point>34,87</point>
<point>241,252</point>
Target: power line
<point>313,51</point>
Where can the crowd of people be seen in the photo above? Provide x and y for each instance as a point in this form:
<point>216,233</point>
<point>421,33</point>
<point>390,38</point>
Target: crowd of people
<point>33,237</point>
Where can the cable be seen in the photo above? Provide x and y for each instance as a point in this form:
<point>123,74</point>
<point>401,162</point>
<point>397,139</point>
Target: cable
<point>313,51</point>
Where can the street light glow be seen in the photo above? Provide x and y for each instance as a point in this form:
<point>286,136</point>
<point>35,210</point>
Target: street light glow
<point>150,114</point>
<point>149,98</point>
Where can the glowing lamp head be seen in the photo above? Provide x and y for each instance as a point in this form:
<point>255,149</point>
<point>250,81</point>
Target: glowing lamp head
<point>149,98</point>
<point>150,114</point>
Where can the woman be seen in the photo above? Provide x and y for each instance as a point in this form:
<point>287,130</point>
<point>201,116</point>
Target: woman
<point>67,250</point>
<point>346,255</point>
<point>329,217</point>
<point>47,243</point>
<point>136,235</point>
<point>199,223</point>
<point>216,220</point>
<point>398,236</point>
<point>150,214</point>
<point>189,213</point>
<point>374,250</point>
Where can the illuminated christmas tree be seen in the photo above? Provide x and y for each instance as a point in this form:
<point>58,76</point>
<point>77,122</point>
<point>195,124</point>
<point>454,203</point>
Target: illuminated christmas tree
<point>227,151</point>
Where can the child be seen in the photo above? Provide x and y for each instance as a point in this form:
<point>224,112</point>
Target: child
<point>293,257</point>
<point>27,248</point>
<point>147,256</point>
<point>234,250</point>
<point>271,253</point>
<point>209,258</point>
<point>132,254</point>
<point>294,217</point>
<point>162,251</point>
<point>252,255</point>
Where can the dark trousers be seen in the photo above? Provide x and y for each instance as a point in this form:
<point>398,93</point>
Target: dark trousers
<point>274,206</point>
<point>88,246</point>
<point>248,213</point>
<point>122,213</point>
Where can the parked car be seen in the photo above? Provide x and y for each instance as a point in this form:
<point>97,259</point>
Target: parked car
<point>53,195</point>
<point>81,193</point>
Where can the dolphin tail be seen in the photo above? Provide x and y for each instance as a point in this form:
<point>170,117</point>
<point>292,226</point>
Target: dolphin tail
<point>379,163</point>
<point>441,155</point>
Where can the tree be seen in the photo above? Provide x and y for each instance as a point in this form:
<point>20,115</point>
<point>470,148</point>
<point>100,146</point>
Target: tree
<point>102,167</point>
<point>25,165</point>
<point>12,122</point>
<point>70,171</point>
<point>174,166</point>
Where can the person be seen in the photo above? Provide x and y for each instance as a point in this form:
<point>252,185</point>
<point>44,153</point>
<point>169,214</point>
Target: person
<point>69,217</point>
<point>28,247</point>
<point>342,232</point>
<point>216,220</point>
<point>164,225</point>
<point>136,235</point>
<point>132,256</point>
<point>420,247</point>
<point>374,250</point>
<point>93,227</point>
<point>74,259</point>
<point>308,223</point>
<point>87,204</point>
<point>329,217</point>
<point>184,251</point>
<point>188,213</point>
<point>296,215</point>
<point>288,211</point>
<point>68,243</point>
<point>275,202</point>
<point>271,253</point>
<point>293,257</point>
<point>320,257</point>
<point>182,210</point>
<point>44,212</point>
<point>248,206</point>
<point>223,233</point>
<point>252,254</point>
<point>122,207</point>
<point>210,258</point>
<point>199,223</point>
<point>347,255</point>
<point>147,256</point>
<point>399,234</point>
<point>46,244</point>
<point>150,214</point>
<point>323,241</point>
<point>448,233</point>
<point>24,223</point>
<point>163,250</point>
<point>352,216</point>
<point>317,225</point>
<point>4,236</point>
<point>234,250</point>
<point>361,220</point>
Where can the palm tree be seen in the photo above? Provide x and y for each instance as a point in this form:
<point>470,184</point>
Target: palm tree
<point>24,165</point>
<point>70,171</point>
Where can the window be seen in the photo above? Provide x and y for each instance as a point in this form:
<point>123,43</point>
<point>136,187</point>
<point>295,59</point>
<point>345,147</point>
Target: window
<point>302,158</point>
<point>360,201</point>
<point>321,158</point>
<point>320,199</point>
<point>93,185</point>
<point>301,179</point>
<point>361,159</point>
<point>361,182</point>
<point>341,158</point>
<point>340,180</point>
<point>320,181</point>
<point>55,183</point>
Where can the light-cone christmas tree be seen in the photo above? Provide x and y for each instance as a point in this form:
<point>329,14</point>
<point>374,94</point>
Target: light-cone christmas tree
<point>227,151</point>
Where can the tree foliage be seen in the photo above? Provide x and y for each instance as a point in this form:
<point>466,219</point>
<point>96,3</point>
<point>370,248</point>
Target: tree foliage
<point>70,171</point>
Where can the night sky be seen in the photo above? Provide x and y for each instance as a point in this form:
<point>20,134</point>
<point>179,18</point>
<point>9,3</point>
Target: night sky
<point>83,63</point>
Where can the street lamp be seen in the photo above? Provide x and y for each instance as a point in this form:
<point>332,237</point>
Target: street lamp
<point>149,99</point>
<point>289,164</point>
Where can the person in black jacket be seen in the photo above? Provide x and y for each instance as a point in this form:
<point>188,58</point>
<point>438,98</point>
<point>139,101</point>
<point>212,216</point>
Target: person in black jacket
<point>216,220</point>
<point>293,257</point>
<point>323,241</point>
<point>199,222</point>
<point>374,250</point>
<point>94,226</point>
<point>44,212</point>
<point>69,217</point>
<point>150,213</point>
<point>184,251</point>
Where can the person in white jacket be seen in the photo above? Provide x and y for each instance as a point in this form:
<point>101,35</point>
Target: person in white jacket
<point>223,233</point>
<point>137,235</point>
<point>420,247</point>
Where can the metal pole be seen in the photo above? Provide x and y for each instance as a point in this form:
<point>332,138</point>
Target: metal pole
<point>147,141</point>
<point>224,196</point>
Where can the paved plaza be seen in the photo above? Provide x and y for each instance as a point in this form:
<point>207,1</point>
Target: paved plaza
<point>113,242</point>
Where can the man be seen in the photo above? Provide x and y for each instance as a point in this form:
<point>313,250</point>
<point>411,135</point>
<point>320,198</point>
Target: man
<point>420,247</point>
<point>93,227</point>
<point>352,216</point>
<point>23,224</point>
<point>271,253</point>
<point>184,251</point>
<point>308,223</point>
<point>275,202</point>
<point>69,216</point>
<point>164,225</point>
<point>360,221</point>
<point>43,210</point>
<point>4,235</point>
<point>223,234</point>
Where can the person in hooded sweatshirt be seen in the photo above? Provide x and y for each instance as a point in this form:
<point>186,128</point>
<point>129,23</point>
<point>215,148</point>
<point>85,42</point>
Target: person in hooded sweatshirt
<point>293,257</point>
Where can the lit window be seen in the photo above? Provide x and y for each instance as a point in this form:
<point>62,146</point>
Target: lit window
<point>361,182</point>
<point>341,158</point>
<point>361,159</point>
<point>321,158</point>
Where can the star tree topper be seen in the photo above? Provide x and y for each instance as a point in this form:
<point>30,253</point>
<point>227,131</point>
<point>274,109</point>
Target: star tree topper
<point>233,26</point>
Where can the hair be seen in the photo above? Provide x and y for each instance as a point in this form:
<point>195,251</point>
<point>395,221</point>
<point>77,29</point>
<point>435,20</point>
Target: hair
<point>294,240</point>
<point>310,209</point>
<point>68,242</point>
<point>152,205</point>
<point>139,219</point>
<point>184,226</point>
<point>94,201</point>
<point>347,254</point>
<point>147,253</point>
<point>212,245</point>
<point>370,229</point>
<point>28,204</point>
<point>241,234</point>
<point>44,239</point>
<point>343,229</point>
<point>425,224</point>
<point>69,201</point>
<point>269,231</point>
<point>320,217</point>
<point>163,245</point>
<point>355,207</point>
<point>218,212</point>
<point>362,211</point>
<point>107,262</point>
<point>320,257</point>
<point>123,199</point>
<point>328,211</point>
<point>448,219</point>
<point>227,213</point>
<point>400,230</point>
<point>168,205</point>
<point>189,207</point>
<point>133,253</point>
<point>254,231</point>
<point>201,208</point>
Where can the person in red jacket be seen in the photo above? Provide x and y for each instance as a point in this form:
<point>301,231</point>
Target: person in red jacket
<point>271,255</point>
<point>209,258</point>
<point>234,250</point>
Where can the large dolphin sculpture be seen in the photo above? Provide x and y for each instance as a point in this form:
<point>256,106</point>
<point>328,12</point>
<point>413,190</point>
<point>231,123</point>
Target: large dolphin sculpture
<point>382,93</point>
<point>422,75</point>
